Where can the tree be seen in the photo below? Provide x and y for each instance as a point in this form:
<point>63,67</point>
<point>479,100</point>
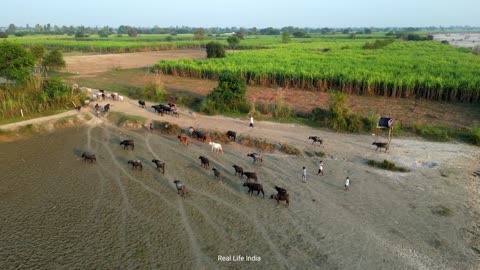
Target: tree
<point>12,28</point>
<point>199,34</point>
<point>3,35</point>
<point>228,96</point>
<point>15,62</point>
<point>285,37</point>
<point>53,60</point>
<point>233,41</point>
<point>38,51</point>
<point>104,32</point>
<point>300,34</point>
<point>215,50</point>
<point>367,31</point>
<point>241,33</point>
<point>132,32</point>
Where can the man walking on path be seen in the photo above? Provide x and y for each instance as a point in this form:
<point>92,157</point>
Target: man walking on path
<point>251,121</point>
<point>347,183</point>
<point>320,168</point>
<point>304,174</point>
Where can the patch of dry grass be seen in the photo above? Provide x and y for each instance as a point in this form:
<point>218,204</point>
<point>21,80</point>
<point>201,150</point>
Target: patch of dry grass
<point>289,150</point>
<point>260,144</point>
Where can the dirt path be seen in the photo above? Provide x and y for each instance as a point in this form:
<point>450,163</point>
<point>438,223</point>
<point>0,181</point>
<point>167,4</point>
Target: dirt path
<point>385,221</point>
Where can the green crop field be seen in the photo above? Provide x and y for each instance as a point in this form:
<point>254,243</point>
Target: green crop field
<point>424,69</point>
<point>153,42</point>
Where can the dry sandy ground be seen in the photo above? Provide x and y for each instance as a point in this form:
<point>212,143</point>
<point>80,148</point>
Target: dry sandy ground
<point>91,64</point>
<point>63,213</point>
<point>460,40</point>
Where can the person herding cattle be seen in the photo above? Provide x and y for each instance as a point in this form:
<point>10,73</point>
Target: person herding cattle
<point>320,168</point>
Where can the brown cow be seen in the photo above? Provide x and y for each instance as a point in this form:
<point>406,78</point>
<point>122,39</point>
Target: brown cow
<point>183,140</point>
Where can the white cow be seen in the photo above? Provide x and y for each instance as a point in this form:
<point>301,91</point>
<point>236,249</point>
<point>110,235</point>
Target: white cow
<point>120,98</point>
<point>216,147</point>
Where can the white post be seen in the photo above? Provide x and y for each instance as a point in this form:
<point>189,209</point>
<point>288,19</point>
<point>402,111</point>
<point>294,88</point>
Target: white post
<point>21,111</point>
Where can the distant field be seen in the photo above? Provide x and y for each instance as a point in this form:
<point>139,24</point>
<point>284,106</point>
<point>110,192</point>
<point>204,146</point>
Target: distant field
<point>425,69</point>
<point>142,43</point>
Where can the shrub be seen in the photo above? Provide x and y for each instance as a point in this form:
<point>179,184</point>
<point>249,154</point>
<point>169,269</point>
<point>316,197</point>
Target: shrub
<point>228,96</point>
<point>218,137</point>
<point>208,107</point>
<point>54,88</point>
<point>387,165</point>
<point>154,91</point>
<point>474,135</point>
<point>215,50</point>
<point>3,35</point>
<point>319,114</point>
<point>314,153</point>
<point>260,144</point>
<point>280,111</point>
<point>432,133</point>
<point>441,210</point>
<point>167,127</point>
<point>377,44</point>
<point>262,107</point>
<point>337,105</point>
<point>370,122</point>
<point>355,122</point>
<point>289,150</point>
<point>121,118</point>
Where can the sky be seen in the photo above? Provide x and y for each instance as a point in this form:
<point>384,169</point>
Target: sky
<point>242,13</point>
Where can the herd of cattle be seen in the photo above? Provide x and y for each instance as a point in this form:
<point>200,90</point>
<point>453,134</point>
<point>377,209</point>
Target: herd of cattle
<point>252,186</point>
<point>171,109</point>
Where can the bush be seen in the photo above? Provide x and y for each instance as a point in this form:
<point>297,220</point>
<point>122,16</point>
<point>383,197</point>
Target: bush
<point>355,122</point>
<point>338,110</point>
<point>154,92</point>
<point>474,135</point>
<point>432,133</point>
<point>208,107</point>
<point>167,127</point>
<point>215,50</point>
<point>3,35</point>
<point>289,150</point>
<point>262,107</point>
<point>377,44</point>
<point>319,114</point>
<point>121,118</point>
<point>280,110</point>
<point>260,144</point>
<point>387,165</point>
<point>228,96</point>
<point>441,210</point>
<point>54,88</point>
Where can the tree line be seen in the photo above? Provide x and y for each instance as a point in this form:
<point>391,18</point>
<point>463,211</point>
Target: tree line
<point>104,31</point>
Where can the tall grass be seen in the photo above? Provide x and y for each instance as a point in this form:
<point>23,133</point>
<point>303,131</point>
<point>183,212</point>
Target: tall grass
<point>37,97</point>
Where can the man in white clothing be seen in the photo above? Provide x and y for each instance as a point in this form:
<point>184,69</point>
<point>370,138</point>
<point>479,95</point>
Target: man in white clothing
<point>347,183</point>
<point>320,168</point>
